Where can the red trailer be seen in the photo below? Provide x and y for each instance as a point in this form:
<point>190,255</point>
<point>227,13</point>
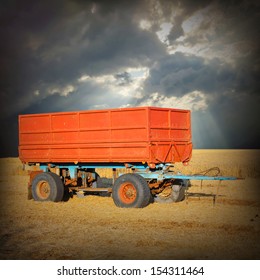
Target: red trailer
<point>146,141</point>
<point>144,135</point>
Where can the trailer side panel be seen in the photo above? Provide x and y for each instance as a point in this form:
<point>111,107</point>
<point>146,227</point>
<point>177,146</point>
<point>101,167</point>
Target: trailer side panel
<point>142,134</point>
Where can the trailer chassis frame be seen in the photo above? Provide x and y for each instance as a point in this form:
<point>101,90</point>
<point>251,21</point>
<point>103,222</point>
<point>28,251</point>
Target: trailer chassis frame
<point>161,172</point>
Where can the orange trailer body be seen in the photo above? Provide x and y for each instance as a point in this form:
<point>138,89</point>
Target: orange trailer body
<point>143,134</point>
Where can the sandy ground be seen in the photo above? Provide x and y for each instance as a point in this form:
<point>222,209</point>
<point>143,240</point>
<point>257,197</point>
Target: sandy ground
<point>94,228</point>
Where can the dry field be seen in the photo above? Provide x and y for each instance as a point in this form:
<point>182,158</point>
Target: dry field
<point>94,228</point>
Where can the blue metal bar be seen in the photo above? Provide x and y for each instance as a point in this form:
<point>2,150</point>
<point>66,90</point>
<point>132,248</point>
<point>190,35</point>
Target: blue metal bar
<point>201,177</point>
<point>162,176</point>
<point>43,168</point>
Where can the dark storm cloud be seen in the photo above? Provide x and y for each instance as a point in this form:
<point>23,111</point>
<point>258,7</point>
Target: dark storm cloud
<point>176,32</point>
<point>123,78</point>
<point>179,74</point>
<point>185,9</point>
<point>224,23</point>
<point>52,44</point>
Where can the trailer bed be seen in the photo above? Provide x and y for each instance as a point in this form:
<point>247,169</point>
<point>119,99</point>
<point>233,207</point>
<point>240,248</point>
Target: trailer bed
<point>144,134</point>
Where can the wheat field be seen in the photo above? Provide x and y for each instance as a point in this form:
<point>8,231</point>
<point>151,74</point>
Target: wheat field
<point>201,227</point>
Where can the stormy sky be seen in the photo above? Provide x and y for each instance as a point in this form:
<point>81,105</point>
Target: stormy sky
<point>78,55</point>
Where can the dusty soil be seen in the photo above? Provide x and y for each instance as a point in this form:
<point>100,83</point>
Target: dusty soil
<point>94,228</point>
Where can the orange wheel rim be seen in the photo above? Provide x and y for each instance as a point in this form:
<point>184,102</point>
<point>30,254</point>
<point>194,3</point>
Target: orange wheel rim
<point>127,193</point>
<point>43,189</point>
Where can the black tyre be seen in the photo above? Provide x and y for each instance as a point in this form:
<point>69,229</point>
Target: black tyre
<point>177,192</point>
<point>47,187</point>
<point>98,181</point>
<point>99,184</point>
<point>131,191</point>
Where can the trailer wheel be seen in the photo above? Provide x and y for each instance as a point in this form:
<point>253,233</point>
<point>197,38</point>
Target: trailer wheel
<point>178,190</point>
<point>177,193</point>
<point>47,187</point>
<point>98,182</point>
<point>131,191</point>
